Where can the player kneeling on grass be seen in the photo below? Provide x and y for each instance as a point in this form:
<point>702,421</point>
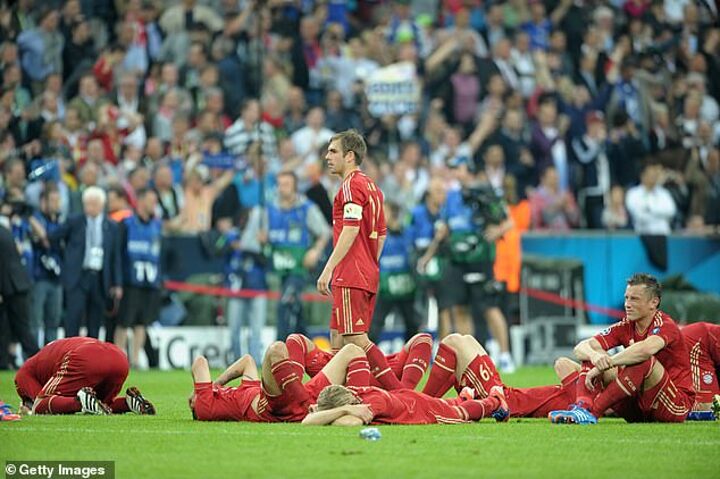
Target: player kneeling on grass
<point>352,406</point>
<point>461,361</point>
<point>408,365</point>
<point>654,381</point>
<point>78,375</point>
<point>277,396</point>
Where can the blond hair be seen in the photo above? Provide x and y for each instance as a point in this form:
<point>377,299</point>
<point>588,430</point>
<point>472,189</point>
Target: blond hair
<point>335,396</point>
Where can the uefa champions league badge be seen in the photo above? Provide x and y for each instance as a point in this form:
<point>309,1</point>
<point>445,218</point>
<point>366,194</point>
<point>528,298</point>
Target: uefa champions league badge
<point>371,434</point>
<point>655,330</point>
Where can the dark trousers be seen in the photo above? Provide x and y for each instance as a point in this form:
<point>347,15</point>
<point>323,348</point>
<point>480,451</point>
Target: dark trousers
<point>404,307</point>
<point>85,300</point>
<point>15,326</point>
<point>290,318</point>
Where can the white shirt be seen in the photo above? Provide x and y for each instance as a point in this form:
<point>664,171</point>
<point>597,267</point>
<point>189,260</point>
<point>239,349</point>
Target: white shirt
<point>307,141</point>
<point>651,210</point>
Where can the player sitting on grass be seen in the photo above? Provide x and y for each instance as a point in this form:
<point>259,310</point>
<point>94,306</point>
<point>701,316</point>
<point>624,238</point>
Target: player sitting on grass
<point>703,343</point>
<point>408,365</point>
<point>78,375</point>
<point>279,396</point>
<point>653,383</point>
<point>461,361</point>
<point>352,406</point>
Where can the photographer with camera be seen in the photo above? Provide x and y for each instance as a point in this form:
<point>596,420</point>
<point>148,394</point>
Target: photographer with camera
<point>47,291</point>
<point>474,218</point>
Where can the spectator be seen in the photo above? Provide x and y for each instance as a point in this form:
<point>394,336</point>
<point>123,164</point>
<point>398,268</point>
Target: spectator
<point>308,140</point>
<point>547,143</point>
<point>88,100</point>
<point>615,216</point>
<point>650,205</point>
<point>41,48</point>
<point>595,169</point>
<point>248,129</point>
<point>551,207</point>
<point>92,264</point>
<point>79,49</point>
<point>199,195</point>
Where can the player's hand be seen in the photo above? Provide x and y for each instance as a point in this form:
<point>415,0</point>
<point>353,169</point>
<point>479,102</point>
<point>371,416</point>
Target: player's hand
<point>602,361</point>
<point>116,292</point>
<point>422,264</point>
<point>591,375</point>
<point>361,411</point>
<point>311,258</point>
<point>323,282</point>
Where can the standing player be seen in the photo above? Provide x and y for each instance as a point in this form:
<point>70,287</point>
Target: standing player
<point>653,383</point>
<point>78,374</point>
<point>358,237</point>
<point>703,344</point>
<point>463,362</point>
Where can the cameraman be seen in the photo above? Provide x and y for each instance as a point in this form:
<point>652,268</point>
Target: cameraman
<point>47,291</point>
<point>475,217</point>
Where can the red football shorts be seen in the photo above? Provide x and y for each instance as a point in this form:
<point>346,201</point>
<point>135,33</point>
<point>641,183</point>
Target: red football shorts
<point>352,310</point>
<point>101,366</point>
<point>316,360</point>
<point>662,403</point>
<point>286,407</point>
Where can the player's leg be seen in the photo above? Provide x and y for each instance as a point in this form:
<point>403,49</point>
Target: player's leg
<point>349,366</point>
<point>356,308</point>
<point>200,370</point>
<point>415,359</point>
<point>200,401</point>
<point>564,367</point>
<point>280,377</point>
<point>497,324</point>
<point>442,373</point>
<point>475,369</point>
<point>299,347</point>
<point>129,308</point>
<point>463,320</point>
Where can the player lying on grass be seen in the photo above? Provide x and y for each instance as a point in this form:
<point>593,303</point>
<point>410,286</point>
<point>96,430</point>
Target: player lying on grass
<point>352,406</point>
<point>278,395</point>
<point>703,343</point>
<point>461,361</point>
<point>78,375</point>
<point>408,365</point>
<point>653,383</point>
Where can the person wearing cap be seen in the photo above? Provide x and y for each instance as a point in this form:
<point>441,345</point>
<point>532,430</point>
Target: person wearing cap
<point>589,149</point>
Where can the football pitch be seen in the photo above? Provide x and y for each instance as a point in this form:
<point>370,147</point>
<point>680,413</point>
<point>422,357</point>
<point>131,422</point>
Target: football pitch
<point>172,445</point>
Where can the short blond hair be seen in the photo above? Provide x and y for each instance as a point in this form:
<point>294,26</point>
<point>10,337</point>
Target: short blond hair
<point>334,396</point>
<point>351,140</point>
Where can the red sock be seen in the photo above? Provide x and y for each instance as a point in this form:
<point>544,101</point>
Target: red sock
<point>418,358</point>
<point>380,368</point>
<point>119,405</point>
<point>480,408</point>
<point>583,395</point>
<point>358,373</point>
<point>627,384</point>
<point>58,405</point>
<point>297,349</point>
<point>286,377</point>
<point>481,375</point>
<point>442,374</point>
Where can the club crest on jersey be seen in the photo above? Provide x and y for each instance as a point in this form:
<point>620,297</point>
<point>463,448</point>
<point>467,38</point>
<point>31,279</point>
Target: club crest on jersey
<point>707,378</point>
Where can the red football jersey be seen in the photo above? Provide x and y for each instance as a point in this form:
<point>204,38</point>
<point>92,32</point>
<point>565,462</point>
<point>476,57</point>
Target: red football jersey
<point>406,406</point>
<point>674,356</point>
<point>235,403</point>
<point>46,363</point>
<point>359,203</point>
<point>538,401</point>
<point>703,344</point>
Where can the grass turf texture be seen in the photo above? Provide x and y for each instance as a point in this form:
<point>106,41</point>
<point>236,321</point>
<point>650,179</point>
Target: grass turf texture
<point>172,445</point>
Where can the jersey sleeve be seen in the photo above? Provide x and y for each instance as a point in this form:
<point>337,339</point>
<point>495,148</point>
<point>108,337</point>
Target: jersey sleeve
<point>354,200</point>
<point>669,332</point>
<point>613,336</point>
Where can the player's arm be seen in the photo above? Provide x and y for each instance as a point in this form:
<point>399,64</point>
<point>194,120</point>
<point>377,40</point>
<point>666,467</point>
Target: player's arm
<point>441,233</point>
<point>361,412</point>
<point>245,366</point>
<point>638,352</point>
<point>381,244</point>
<point>591,350</point>
<point>344,242</point>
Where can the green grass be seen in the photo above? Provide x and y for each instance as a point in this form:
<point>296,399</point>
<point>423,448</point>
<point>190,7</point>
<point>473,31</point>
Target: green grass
<point>172,445</point>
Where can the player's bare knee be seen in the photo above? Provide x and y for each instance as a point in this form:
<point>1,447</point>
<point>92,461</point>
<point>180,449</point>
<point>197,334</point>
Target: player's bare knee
<point>276,352</point>
<point>352,351</point>
<point>564,367</point>
<point>453,341</point>
<point>199,364</point>
<point>360,340</point>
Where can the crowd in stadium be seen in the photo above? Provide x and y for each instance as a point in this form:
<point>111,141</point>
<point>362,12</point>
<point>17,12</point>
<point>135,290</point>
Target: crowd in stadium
<point>183,117</point>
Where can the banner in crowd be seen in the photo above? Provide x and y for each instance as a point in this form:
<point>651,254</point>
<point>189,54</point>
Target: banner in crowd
<point>393,90</point>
